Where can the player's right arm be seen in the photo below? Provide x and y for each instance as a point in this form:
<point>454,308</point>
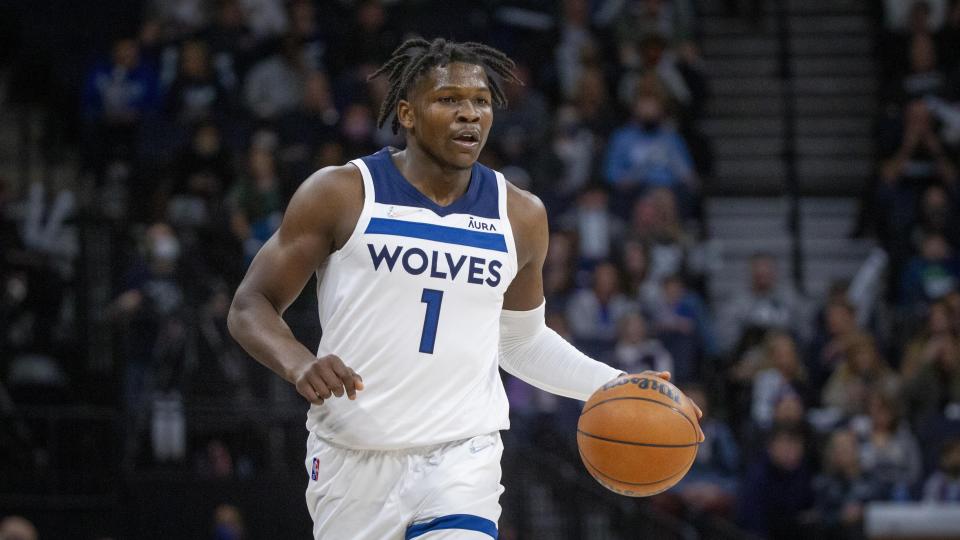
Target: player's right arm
<point>320,218</point>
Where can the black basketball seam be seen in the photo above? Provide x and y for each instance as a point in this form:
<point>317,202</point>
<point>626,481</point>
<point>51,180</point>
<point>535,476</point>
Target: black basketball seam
<point>671,407</point>
<point>631,443</point>
<point>603,474</point>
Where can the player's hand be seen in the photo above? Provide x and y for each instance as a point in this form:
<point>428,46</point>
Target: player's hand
<point>665,375</point>
<point>325,377</point>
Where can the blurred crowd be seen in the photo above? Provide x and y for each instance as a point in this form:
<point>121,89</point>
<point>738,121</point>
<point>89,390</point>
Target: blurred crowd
<point>198,124</point>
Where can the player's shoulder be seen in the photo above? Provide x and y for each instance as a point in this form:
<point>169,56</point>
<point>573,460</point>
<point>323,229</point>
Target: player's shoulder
<point>528,219</point>
<point>333,187</point>
<point>330,198</point>
<point>525,208</point>
<point>337,180</point>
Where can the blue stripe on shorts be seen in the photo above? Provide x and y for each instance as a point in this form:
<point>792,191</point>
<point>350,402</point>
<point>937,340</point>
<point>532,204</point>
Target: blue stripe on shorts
<point>466,522</point>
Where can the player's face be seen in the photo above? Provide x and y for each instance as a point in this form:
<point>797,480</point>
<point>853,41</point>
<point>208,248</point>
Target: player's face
<point>450,113</point>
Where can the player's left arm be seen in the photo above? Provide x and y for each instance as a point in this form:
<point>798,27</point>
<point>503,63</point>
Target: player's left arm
<point>529,349</point>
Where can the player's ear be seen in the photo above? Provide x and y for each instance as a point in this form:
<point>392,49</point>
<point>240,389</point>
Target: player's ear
<point>405,114</point>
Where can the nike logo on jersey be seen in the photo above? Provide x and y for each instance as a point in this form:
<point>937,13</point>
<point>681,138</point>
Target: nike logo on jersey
<point>393,211</point>
<point>439,264</point>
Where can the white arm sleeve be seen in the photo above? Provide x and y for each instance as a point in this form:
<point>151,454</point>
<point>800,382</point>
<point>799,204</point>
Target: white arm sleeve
<point>539,356</point>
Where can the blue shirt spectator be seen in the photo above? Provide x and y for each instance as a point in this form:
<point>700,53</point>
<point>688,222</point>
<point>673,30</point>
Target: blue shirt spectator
<point>122,90</point>
<point>648,151</point>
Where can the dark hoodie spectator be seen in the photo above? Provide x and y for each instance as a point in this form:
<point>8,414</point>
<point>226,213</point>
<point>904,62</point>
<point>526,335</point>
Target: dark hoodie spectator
<point>943,486</point>
<point>777,488</point>
<point>842,490</point>
<point>196,94</point>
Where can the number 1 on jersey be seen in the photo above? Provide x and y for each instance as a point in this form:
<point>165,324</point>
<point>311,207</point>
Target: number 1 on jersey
<point>432,298</point>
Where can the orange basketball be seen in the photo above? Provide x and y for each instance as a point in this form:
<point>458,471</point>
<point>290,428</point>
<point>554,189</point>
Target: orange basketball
<point>638,435</point>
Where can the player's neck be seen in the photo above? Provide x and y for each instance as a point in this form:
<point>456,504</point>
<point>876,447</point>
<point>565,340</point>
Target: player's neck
<point>442,184</point>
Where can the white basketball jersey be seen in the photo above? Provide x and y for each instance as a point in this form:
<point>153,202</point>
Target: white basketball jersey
<point>412,303</point>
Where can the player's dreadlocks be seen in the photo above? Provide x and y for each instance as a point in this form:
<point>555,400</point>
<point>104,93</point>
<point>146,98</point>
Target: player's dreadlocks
<point>415,56</point>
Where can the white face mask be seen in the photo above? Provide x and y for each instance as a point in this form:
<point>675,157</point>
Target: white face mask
<point>165,248</point>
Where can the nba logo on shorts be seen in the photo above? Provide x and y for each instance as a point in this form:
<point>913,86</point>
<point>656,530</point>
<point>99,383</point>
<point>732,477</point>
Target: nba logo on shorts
<point>316,469</point>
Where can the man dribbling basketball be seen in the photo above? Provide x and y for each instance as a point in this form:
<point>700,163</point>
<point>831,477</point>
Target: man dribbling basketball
<point>429,268</point>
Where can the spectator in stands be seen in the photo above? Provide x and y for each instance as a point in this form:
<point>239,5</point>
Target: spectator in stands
<point>943,486</point>
<point>935,334</point>
<point>843,489</point>
<point>830,351</point>
<point>635,262</point>
<point>275,85</point>
<point>711,484</point>
<point>953,302</point>
<point>924,78</point>
<point>656,221</point>
<point>776,488</point>
<point>680,322</point>
<point>930,275</point>
<point>593,103</point>
<point>680,76</point>
<point>117,95</point>
<point>267,18</point>
<point>358,129</point>
<point>940,213</point>
<point>257,200</point>
<point>566,163</point>
<point>559,270</point>
<point>303,25</point>
<point>203,173</point>
<point>916,151</point>
<point>655,60</point>
<point>649,152</point>
<point>780,371</point>
<point>304,129</point>
<point>889,453</point>
<point>576,45</point>
<point>949,39</point>
<point>196,94</point>
<point>150,311</point>
<point>635,350</point>
<point>637,18</point>
<point>917,17</point>
<point>597,229</point>
<point>936,382</point>
<point>521,130</point>
<point>177,18</point>
<point>767,304</point>
<point>17,528</point>
<point>368,39</point>
<point>228,523</point>
<point>231,44</point>
<point>595,312</point>
<point>861,373</point>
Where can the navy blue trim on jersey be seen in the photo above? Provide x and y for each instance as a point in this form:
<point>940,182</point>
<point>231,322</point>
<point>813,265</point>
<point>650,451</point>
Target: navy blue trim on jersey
<point>390,187</point>
<point>466,522</point>
<point>437,233</point>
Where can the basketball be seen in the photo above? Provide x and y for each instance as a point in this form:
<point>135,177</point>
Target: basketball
<point>638,435</point>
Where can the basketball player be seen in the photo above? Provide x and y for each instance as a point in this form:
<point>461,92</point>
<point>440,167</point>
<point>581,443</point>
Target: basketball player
<point>429,268</point>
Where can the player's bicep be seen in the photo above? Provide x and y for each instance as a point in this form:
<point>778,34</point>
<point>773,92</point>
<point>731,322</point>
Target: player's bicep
<point>305,239</point>
<point>282,268</point>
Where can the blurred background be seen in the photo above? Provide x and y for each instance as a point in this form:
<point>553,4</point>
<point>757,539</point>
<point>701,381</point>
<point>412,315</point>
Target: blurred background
<point>760,196</point>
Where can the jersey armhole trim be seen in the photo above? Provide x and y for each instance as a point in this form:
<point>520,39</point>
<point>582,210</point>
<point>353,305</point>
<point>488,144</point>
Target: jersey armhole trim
<point>505,217</point>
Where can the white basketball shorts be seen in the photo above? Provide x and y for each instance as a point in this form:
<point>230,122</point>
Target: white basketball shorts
<point>443,492</point>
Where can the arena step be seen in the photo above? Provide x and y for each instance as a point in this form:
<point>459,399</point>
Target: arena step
<point>828,24</point>
<point>836,45</point>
